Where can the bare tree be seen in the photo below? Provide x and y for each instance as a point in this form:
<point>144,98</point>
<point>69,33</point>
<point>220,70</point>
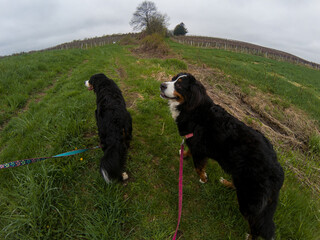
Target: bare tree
<point>147,18</point>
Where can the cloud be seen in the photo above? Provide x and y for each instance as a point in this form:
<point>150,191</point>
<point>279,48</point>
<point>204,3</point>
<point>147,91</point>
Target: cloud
<point>37,24</point>
<point>287,25</point>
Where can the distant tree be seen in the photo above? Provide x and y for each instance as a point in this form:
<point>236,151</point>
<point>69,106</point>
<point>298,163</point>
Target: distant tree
<point>158,24</point>
<point>148,19</point>
<point>180,29</point>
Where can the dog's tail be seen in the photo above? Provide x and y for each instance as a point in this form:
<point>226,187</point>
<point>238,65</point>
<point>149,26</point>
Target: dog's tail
<point>113,161</point>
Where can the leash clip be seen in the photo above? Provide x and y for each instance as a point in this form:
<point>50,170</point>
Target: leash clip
<point>190,135</point>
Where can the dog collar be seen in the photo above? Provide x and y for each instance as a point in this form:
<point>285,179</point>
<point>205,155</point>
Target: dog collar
<point>190,135</point>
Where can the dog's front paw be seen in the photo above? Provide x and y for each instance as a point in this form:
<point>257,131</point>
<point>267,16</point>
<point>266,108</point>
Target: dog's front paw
<point>203,178</point>
<point>222,180</point>
<point>227,183</point>
<point>186,154</point>
<point>124,176</point>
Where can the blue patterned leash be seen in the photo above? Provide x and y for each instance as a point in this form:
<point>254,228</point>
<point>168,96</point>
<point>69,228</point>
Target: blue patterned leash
<point>33,160</point>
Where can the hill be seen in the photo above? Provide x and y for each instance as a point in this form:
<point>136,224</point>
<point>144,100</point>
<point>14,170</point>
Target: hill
<point>46,110</point>
<point>200,41</point>
<point>244,47</point>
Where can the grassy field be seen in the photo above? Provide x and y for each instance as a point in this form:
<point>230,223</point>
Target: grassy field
<point>46,110</point>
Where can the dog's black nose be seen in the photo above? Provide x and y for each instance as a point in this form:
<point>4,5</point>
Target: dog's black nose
<point>163,86</point>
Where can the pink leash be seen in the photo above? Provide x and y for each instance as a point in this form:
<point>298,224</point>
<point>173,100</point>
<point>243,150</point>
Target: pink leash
<point>181,184</point>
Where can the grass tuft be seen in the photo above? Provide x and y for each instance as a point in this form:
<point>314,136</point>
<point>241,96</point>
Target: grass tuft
<point>314,144</point>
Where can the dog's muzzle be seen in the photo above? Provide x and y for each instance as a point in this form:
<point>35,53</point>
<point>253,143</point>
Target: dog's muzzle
<point>165,92</point>
<point>87,84</point>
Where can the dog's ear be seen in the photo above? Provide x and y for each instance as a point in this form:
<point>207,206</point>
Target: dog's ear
<point>196,94</point>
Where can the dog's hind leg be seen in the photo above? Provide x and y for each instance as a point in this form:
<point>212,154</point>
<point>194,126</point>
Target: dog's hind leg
<point>124,176</point>
<point>258,209</point>
<point>251,237</point>
<point>127,131</point>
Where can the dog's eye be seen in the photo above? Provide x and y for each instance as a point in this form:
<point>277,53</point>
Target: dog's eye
<point>178,84</point>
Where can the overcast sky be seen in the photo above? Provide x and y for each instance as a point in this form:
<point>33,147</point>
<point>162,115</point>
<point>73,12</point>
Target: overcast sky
<point>288,25</point>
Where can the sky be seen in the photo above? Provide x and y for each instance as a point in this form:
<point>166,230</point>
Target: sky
<point>287,25</point>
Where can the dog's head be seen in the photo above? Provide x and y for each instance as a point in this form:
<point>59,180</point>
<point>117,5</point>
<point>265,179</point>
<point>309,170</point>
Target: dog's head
<point>95,81</point>
<point>183,89</point>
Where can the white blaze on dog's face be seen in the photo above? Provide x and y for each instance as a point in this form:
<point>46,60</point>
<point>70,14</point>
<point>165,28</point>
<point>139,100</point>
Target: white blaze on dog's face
<point>168,91</point>
<point>88,85</point>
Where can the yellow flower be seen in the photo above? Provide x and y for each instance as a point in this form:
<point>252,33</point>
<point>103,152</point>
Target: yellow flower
<point>81,159</point>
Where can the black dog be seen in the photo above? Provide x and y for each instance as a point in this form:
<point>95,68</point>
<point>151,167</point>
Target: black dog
<point>114,126</point>
<point>241,151</point>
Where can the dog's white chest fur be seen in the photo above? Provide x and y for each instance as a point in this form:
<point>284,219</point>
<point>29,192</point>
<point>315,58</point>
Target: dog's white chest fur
<point>173,109</point>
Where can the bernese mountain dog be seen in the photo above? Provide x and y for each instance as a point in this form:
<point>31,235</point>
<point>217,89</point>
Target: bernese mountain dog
<point>244,153</point>
<point>114,126</point>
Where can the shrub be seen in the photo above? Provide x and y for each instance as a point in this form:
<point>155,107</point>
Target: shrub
<point>154,43</point>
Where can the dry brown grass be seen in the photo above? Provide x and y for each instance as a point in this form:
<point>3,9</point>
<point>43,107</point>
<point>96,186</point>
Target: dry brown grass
<point>152,46</point>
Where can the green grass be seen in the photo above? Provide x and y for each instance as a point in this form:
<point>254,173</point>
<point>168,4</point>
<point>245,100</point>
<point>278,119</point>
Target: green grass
<point>67,198</point>
<point>314,144</point>
<point>25,75</point>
